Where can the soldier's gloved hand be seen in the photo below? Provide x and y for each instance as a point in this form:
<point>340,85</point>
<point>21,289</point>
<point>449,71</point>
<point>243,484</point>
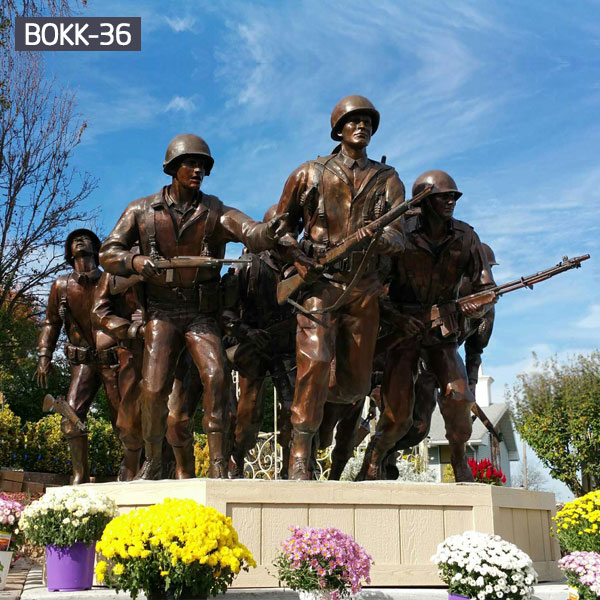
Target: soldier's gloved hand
<point>259,337</point>
<point>42,373</point>
<point>277,227</point>
<point>144,266</point>
<point>308,269</point>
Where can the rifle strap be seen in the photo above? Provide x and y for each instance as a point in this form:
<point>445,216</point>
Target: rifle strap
<point>150,224</point>
<point>314,190</point>
<point>215,209</point>
<point>359,272</point>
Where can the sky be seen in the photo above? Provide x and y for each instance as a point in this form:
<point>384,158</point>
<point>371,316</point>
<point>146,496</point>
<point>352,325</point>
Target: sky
<point>503,95</point>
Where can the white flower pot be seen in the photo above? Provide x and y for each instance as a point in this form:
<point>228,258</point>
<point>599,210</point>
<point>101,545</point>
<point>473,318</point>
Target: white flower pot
<point>5,558</point>
<point>573,593</point>
<point>315,595</point>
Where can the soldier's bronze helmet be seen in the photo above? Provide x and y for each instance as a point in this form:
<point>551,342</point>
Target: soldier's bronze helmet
<point>271,211</point>
<point>347,106</point>
<point>489,254</point>
<point>187,144</point>
<point>69,241</point>
<point>441,181</point>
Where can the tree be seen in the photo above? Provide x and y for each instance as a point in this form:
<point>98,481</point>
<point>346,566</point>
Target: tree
<point>557,411</point>
<point>41,194</point>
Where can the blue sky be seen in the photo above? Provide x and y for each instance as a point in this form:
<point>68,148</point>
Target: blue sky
<point>503,95</point>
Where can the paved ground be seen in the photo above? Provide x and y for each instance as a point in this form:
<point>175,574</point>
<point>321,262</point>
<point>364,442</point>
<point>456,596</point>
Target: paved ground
<point>16,579</point>
<point>36,590</point>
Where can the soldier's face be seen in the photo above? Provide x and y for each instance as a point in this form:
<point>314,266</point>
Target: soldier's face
<point>357,130</point>
<point>190,173</point>
<point>443,204</point>
<point>82,245</point>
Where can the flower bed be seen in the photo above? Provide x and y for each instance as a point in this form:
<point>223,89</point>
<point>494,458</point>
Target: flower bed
<point>179,546</point>
<point>578,522</point>
<point>485,472</point>
<point>323,559</point>
<point>485,567</point>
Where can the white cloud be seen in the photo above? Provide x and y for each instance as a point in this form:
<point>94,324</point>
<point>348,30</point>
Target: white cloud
<point>591,320</point>
<point>179,24</point>
<point>181,104</point>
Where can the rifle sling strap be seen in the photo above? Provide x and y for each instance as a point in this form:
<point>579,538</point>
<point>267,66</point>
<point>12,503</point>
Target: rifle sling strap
<point>346,293</point>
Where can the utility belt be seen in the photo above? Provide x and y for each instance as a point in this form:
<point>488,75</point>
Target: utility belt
<point>80,355</point>
<point>348,264</point>
<point>351,263</point>
<point>204,297</point>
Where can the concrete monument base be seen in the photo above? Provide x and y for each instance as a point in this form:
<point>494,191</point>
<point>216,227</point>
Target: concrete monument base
<point>399,524</point>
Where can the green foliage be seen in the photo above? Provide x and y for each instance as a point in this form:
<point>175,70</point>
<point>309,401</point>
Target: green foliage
<point>21,390</point>
<point>557,411</point>
<point>10,426</point>
<point>578,524</point>
<point>106,451</point>
<point>44,448</point>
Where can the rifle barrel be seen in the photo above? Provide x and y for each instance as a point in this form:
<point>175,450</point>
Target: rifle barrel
<point>565,265</point>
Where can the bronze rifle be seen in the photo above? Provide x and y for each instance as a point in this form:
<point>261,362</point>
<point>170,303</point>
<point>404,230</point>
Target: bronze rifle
<point>439,313</point>
<point>289,286</point>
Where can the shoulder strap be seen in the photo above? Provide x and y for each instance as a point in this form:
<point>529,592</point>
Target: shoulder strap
<point>215,210</point>
<point>156,204</point>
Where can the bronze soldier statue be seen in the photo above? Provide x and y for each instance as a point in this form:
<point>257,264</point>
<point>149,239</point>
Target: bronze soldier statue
<point>91,355</point>
<point>182,305</point>
<point>333,197</point>
<point>118,310</point>
<point>267,335</point>
<point>440,251</point>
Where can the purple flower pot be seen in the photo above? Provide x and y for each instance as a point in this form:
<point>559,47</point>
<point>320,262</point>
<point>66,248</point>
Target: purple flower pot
<point>456,597</point>
<point>70,568</point>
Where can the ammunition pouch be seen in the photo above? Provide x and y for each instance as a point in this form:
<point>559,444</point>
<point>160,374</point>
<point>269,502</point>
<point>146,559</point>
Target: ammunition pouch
<point>77,355</point>
<point>108,357</point>
<point>351,263</point>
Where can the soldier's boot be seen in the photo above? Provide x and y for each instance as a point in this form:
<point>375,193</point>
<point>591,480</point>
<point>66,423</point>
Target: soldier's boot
<point>285,462</point>
<point>152,467</point>
<point>371,468</point>
<point>79,457</point>
<point>389,467</point>
<point>462,470</point>
<point>130,464</point>
<point>185,462</point>
<point>300,456</point>
<point>236,464</point>
<point>217,468</point>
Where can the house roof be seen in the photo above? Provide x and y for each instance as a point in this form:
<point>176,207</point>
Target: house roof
<point>498,414</point>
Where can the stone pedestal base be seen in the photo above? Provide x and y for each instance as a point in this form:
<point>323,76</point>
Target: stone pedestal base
<point>399,524</point>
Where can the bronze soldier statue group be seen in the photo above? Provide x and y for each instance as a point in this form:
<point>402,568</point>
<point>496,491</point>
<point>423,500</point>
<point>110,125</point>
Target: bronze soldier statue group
<point>342,272</point>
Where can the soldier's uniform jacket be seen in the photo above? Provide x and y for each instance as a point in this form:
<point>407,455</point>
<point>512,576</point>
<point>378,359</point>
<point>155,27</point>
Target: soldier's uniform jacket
<point>203,231</point>
<point>116,300</point>
<point>70,303</point>
<point>258,293</point>
<point>333,196</point>
<point>427,274</point>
